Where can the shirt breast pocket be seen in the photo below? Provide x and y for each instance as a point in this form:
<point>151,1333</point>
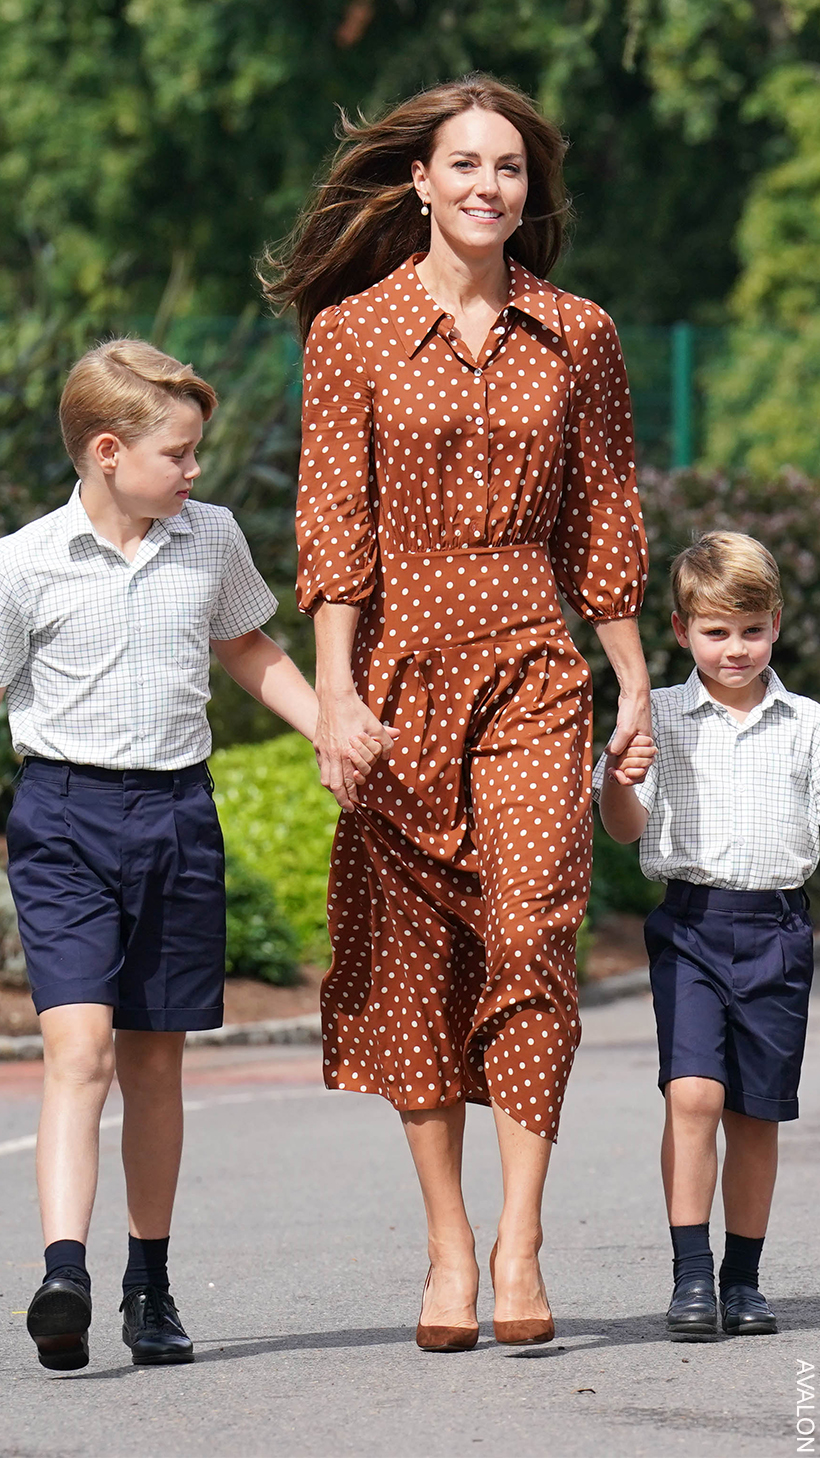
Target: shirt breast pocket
<point>175,622</point>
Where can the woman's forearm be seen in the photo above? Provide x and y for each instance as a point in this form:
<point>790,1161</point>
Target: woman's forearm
<point>621,642</point>
<point>334,625</point>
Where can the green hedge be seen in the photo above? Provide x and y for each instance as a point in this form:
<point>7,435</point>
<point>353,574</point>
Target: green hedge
<point>278,824</point>
<point>261,943</point>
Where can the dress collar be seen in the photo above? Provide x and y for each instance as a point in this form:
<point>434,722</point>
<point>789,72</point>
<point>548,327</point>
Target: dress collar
<point>415,314</point>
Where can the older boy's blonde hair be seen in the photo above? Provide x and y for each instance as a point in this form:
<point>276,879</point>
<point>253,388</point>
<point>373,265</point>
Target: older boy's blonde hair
<point>725,572</point>
<point>125,386</point>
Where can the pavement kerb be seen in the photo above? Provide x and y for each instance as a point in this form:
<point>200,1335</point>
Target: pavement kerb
<point>308,1028</point>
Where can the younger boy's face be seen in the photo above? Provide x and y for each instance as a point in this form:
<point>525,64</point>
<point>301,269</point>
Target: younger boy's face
<point>731,649</point>
<point>153,475</point>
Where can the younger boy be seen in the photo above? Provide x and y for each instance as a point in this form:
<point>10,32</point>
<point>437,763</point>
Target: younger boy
<point>107,606</point>
<point>728,817</point>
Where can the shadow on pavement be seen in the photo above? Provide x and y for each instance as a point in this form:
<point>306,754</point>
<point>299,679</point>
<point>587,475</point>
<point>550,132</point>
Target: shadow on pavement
<point>795,1313</point>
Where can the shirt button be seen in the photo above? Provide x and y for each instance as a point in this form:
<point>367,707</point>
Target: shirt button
<point>478,374</point>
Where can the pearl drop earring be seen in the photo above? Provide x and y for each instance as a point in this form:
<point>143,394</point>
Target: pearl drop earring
<point>425,210</point>
<point>520,222</point>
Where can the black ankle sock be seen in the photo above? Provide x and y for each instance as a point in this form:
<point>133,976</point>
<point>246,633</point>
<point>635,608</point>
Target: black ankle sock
<point>741,1261</point>
<point>693,1256</point>
<point>147,1264</point>
<point>67,1258</point>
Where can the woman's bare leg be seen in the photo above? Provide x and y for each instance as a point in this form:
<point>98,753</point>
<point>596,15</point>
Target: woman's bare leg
<point>78,1058</point>
<point>436,1138</point>
<point>149,1070</point>
<point>525,1157</point>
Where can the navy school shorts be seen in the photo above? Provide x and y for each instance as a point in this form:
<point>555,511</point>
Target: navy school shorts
<point>118,879</point>
<point>731,976</point>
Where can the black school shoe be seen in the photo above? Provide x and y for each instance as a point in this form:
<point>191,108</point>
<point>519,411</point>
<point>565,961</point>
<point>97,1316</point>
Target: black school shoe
<point>692,1313</point>
<point>746,1312</point>
<point>58,1320</point>
<point>152,1329</point>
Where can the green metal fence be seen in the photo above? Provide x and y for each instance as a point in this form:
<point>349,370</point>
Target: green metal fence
<point>666,367</point>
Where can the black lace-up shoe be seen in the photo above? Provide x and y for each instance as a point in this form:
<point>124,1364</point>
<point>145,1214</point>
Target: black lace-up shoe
<point>152,1329</point>
<point>692,1311</point>
<point>746,1312</point>
<point>58,1320</point>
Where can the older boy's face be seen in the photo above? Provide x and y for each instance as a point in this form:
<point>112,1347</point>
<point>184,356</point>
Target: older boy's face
<point>154,474</point>
<point>731,649</point>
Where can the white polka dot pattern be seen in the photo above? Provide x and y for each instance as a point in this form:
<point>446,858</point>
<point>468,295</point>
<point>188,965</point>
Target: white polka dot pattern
<point>448,496</point>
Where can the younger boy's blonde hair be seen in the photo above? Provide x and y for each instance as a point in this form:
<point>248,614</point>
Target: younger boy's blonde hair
<point>725,572</point>
<point>125,386</point>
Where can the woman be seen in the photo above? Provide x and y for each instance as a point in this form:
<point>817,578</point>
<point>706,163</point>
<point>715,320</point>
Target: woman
<point>467,444</point>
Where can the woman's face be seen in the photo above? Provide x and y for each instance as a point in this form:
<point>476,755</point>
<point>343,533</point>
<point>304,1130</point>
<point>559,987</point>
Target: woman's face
<point>475,182</point>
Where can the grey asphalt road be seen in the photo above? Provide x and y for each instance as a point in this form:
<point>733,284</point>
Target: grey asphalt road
<point>298,1261</point>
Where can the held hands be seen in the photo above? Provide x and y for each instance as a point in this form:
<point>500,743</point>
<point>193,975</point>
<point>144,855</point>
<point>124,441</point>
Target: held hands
<point>349,740</point>
<point>630,751</point>
<point>630,767</point>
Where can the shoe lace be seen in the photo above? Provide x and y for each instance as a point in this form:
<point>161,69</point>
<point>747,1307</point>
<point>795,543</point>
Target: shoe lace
<point>153,1312</point>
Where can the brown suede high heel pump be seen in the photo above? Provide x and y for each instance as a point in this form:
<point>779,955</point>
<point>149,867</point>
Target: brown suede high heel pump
<point>520,1333</point>
<point>444,1338</point>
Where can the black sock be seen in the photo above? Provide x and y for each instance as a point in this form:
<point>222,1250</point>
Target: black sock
<point>147,1264</point>
<point>66,1258</point>
<point>741,1261</point>
<point>693,1256</point>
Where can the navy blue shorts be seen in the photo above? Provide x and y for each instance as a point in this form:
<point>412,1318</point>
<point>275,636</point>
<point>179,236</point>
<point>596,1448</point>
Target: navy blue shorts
<point>731,975</point>
<point>118,879</point>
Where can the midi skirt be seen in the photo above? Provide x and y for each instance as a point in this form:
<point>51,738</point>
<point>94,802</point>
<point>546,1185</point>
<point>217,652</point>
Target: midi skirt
<point>458,885</point>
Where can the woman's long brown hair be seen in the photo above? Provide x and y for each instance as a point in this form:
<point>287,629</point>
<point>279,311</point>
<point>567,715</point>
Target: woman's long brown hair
<point>365,219</point>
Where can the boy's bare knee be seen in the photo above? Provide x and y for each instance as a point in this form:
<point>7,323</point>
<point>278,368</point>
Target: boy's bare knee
<point>77,1045</point>
<point>695,1098</point>
<point>81,1063</point>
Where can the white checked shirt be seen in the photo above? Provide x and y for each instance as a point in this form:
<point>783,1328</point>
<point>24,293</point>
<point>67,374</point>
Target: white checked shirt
<point>106,661</point>
<point>731,805</point>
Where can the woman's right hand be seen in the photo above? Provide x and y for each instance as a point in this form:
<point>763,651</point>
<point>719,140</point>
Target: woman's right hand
<point>348,741</point>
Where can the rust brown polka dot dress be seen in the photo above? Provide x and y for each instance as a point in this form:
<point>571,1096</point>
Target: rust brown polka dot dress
<point>451,498</point>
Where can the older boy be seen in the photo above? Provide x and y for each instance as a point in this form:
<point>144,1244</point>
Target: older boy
<point>115,853</point>
<point>728,817</point>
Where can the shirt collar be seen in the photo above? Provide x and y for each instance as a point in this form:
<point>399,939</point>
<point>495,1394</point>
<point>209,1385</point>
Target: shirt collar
<point>415,314</point>
<point>695,694</point>
<point>78,523</point>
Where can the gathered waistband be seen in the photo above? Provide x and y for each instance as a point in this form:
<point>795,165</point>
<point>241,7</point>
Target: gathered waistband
<point>433,599</point>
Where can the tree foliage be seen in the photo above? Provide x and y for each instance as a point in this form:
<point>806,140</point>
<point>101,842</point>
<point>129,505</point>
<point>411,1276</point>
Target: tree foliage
<point>764,401</point>
<point>149,147</point>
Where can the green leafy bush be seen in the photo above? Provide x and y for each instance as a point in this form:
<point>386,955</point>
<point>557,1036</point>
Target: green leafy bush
<point>617,882</point>
<point>278,824</point>
<point>260,941</point>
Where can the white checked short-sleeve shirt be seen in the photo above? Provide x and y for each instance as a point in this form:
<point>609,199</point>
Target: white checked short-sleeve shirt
<point>106,661</point>
<point>731,805</point>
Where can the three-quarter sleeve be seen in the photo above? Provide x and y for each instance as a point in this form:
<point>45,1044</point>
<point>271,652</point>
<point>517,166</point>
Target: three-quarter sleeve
<point>598,546</point>
<point>335,524</point>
